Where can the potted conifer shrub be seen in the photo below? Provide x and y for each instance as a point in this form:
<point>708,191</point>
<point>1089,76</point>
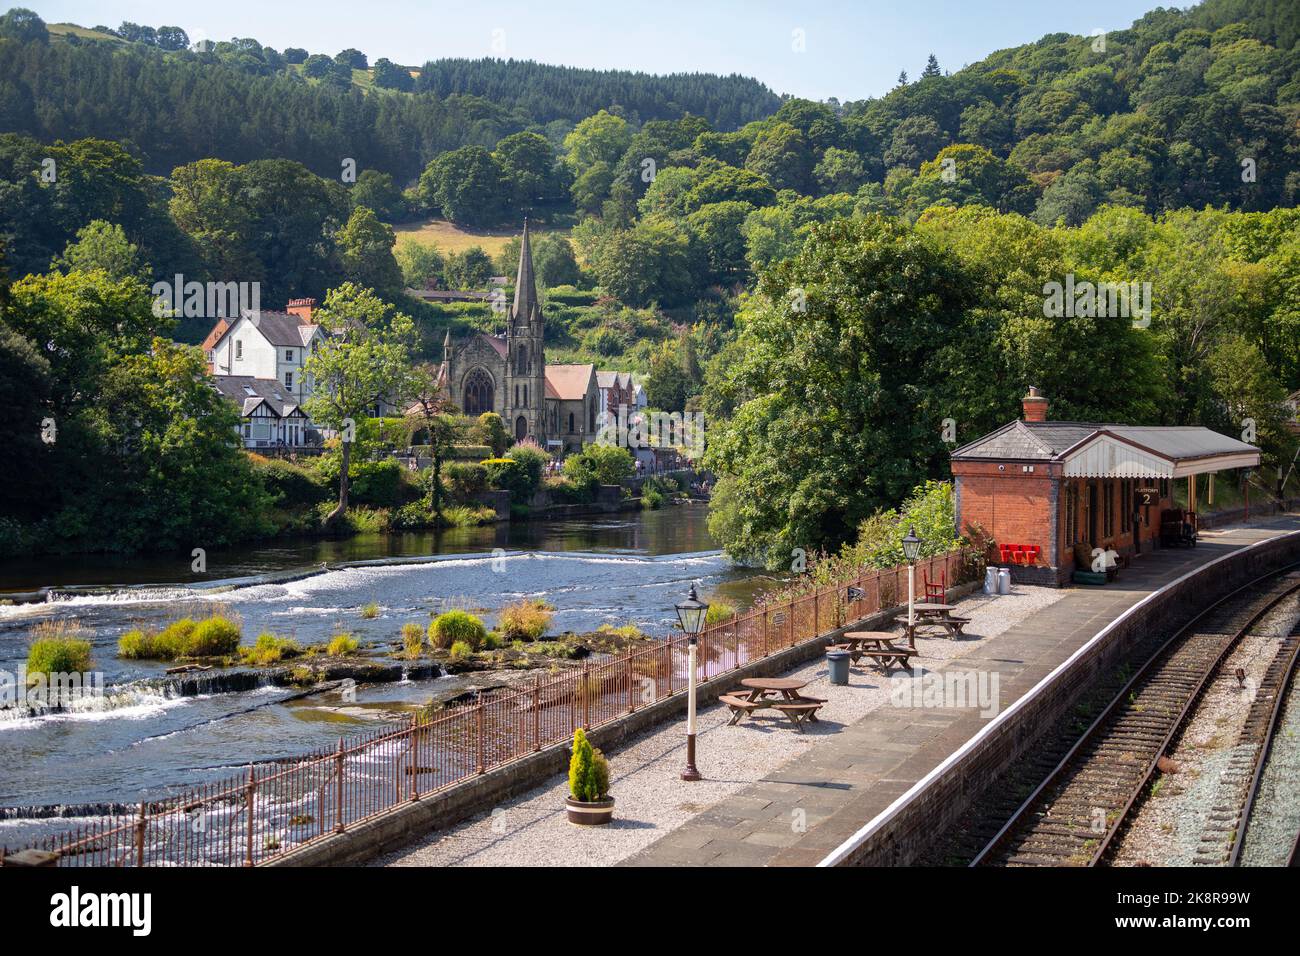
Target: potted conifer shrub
<point>589,803</point>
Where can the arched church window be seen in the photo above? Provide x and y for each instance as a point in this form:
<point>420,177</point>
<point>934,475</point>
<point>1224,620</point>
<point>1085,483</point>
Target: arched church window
<point>478,393</point>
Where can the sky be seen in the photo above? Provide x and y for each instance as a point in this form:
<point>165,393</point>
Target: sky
<point>810,48</point>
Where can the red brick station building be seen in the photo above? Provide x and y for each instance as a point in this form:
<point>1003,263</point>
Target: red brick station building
<point>1048,492</point>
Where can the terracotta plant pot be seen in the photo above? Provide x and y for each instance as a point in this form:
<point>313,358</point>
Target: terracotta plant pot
<point>590,814</point>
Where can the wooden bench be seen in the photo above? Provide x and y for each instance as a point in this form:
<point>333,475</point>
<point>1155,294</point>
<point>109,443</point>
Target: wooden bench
<point>885,657</point>
<point>740,706</point>
<point>799,710</point>
<point>954,623</point>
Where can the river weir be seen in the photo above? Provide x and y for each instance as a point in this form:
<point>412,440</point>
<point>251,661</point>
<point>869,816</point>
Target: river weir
<point>151,734</point>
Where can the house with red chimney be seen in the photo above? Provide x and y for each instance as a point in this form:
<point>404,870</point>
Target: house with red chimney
<point>1057,497</point>
<point>257,362</point>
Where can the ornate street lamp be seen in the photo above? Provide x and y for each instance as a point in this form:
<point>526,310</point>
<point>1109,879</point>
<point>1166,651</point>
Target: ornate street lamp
<point>911,551</point>
<point>691,614</point>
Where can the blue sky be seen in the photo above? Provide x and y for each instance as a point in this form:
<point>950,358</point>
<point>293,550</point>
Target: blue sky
<point>851,50</point>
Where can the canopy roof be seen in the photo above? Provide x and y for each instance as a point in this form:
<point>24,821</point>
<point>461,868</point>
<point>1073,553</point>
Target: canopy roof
<point>1113,451</point>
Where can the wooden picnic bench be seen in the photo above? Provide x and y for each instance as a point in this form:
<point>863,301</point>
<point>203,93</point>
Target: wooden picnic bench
<point>791,704</point>
<point>877,646</point>
<point>936,615</point>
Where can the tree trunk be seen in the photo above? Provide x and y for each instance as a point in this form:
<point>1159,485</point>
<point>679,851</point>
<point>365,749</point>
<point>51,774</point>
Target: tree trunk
<point>342,508</point>
<point>435,485</point>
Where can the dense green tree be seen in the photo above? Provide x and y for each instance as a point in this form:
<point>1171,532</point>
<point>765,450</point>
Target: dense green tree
<point>364,358</point>
<point>466,185</point>
<point>378,192</point>
<point>102,245</point>
<point>420,262</point>
<point>24,26</point>
<point>365,248</point>
<point>842,365</point>
<point>528,166</point>
<point>469,269</point>
<point>782,155</point>
<point>840,171</point>
<point>965,174</point>
<point>353,59</point>
<point>389,76</point>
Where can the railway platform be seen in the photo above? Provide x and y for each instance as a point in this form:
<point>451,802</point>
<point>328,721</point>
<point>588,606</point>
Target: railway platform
<point>803,812</point>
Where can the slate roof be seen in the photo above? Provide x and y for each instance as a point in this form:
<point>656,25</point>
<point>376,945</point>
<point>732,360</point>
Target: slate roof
<point>1045,441</point>
<point>496,341</point>
<point>266,391</point>
<point>282,329</point>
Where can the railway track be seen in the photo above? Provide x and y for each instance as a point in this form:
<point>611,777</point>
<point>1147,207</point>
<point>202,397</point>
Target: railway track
<point>1225,832</point>
<point>1072,816</point>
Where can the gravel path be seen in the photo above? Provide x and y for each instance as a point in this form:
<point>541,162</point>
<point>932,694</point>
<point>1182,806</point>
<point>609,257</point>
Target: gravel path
<point>1166,829</point>
<point>531,830</point>
<point>1276,817</point>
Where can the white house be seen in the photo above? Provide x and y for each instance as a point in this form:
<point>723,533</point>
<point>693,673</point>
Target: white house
<point>269,345</point>
<point>257,362</point>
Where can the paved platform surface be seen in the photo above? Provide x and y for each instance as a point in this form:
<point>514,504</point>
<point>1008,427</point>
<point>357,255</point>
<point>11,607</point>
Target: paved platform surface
<point>800,813</point>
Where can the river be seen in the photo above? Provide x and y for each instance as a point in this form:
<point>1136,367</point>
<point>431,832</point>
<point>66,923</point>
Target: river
<point>141,741</point>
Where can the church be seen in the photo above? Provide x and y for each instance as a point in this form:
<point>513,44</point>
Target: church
<point>555,405</point>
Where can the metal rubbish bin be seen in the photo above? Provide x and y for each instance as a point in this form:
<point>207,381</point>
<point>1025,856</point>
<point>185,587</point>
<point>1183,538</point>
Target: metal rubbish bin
<point>838,662</point>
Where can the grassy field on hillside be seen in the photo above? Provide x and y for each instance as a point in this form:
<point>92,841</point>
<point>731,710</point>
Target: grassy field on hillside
<point>65,29</point>
<point>449,237</point>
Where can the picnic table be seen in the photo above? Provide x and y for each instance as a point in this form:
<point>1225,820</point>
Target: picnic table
<point>763,694</point>
<point>879,646</point>
<point>936,615</point>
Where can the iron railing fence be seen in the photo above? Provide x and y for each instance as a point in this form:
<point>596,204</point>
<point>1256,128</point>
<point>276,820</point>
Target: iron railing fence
<point>282,805</point>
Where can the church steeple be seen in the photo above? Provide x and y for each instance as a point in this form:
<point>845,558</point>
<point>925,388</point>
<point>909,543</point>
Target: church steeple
<point>525,308</point>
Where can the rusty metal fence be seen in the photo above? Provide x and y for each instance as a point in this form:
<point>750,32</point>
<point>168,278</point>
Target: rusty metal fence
<point>279,806</point>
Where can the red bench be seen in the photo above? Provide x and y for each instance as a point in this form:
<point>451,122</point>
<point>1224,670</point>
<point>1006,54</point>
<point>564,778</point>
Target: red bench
<point>1025,554</point>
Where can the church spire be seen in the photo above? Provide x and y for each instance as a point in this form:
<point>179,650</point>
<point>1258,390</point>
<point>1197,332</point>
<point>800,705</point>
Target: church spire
<point>525,305</point>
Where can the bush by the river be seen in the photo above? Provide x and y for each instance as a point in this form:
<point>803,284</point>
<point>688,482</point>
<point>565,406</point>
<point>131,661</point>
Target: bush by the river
<point>452,627</point>
<point>269,649</point>
<point>524,620</point>
<point>216,636</point>
<point>412,639</point>
<point>509,475</point>
<point>60,647</point>
<point>607,464</point>
<point>533,460</point>
<point>292,485</point>
<point>342,644</point>
<point>464,480</point>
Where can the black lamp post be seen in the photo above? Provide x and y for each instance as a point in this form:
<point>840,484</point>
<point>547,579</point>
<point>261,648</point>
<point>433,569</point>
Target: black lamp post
<point>911,551</point>
<point>691,614</point>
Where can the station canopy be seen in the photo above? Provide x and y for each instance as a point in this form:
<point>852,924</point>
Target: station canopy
<point>1113,451</point>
